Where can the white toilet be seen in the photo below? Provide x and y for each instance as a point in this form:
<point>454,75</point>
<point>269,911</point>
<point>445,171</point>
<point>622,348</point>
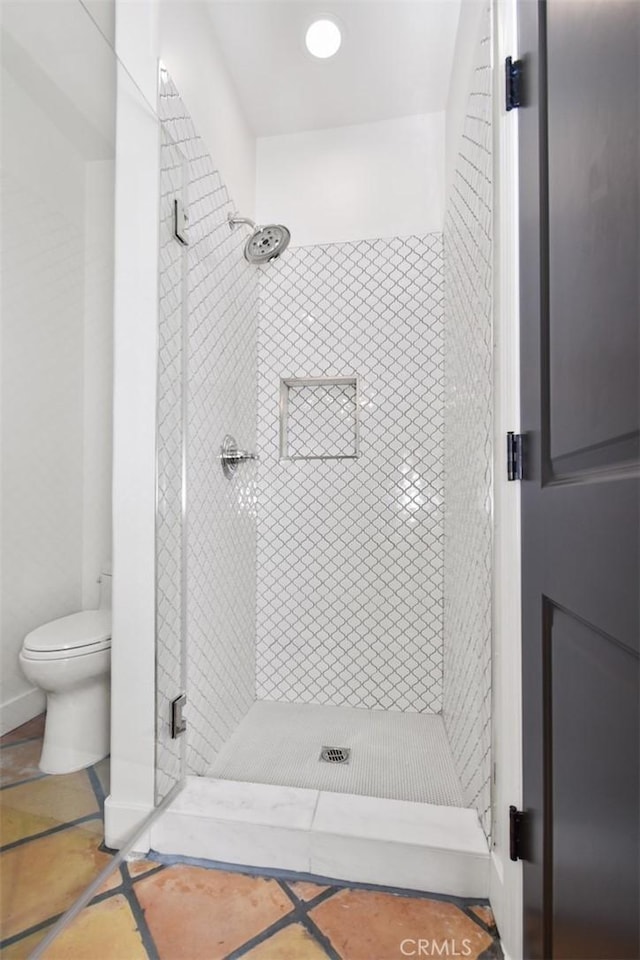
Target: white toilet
<point>70,660</point>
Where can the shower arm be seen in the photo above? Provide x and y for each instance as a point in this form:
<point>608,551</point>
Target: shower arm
<point>235,221</point>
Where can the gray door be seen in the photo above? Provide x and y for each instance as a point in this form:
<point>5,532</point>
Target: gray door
<point>580,263</point>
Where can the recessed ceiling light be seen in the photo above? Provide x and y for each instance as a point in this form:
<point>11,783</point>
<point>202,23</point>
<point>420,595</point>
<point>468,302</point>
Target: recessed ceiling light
<point>323,39</point>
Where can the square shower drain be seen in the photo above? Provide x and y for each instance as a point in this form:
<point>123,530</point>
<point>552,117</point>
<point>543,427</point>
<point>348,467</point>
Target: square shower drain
<point>335,754</point>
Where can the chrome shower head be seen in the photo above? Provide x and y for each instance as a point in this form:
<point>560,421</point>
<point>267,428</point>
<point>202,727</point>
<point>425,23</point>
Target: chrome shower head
<point>265,243</point>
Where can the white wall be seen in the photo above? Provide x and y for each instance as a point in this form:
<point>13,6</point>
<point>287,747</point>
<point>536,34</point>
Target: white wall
<point>506,877</point>
<point>56,367</point>
<point>187,46</point>
<point>467,38</point>
<point>354,183</point>
<point>97,452</point>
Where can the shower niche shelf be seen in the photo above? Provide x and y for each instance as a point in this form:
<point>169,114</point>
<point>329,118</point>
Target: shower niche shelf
<point>319,418</point>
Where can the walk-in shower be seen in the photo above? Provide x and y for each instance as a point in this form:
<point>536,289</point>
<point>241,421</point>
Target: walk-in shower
<point>332,593</point>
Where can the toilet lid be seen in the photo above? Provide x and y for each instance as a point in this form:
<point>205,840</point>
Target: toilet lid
<point>89,628</point>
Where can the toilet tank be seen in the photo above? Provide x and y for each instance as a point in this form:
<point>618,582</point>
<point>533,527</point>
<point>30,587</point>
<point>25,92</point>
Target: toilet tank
<point>105,587</point>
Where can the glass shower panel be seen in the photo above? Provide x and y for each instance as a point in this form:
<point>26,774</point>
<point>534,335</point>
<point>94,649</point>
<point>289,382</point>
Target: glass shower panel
<point>171,468</point>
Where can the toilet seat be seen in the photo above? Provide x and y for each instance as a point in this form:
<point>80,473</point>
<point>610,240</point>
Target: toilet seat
<point>77,635</point>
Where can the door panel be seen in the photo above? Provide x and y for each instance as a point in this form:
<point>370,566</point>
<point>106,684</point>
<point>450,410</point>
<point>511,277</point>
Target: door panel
<point>580,374</point>
<point>594,257</point>
<point>592,692</point>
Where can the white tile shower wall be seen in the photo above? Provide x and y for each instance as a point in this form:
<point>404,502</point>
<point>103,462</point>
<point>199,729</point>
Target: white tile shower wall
<point>222,320</point>
<point>467,445</point>
<point>350,551</point>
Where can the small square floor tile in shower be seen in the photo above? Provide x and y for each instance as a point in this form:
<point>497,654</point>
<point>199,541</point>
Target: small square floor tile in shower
<point>396,756</point>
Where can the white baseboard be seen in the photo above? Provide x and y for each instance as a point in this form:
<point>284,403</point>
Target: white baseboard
<point>394,843</point>
<point>19,709</point>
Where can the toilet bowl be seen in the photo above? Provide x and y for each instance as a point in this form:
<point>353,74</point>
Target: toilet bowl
<point>70,660</point>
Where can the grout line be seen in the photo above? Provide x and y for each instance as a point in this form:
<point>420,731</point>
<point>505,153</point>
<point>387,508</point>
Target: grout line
<point>16,937</point>
<point>143,876</point>
<point>265,934</point>
<point>99,897</point>
<point>275,873</point>
<point>96,786</point>
<point>19,783</point>
<point>301,916</point>
<point>307,904</point>
<point>315,810</point>
<point>19,743</point>
<point>321,937</point>
<point>87,895</point>
<point>119,890</point>
<point>321,897</point>
<point>139,916</point>
<point>493,952</point>
<point>295,900</point>
<point>49,832</point>
<point>468,912</point>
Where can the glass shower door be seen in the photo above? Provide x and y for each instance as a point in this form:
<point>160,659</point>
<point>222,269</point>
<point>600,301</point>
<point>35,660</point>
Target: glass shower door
<point>171,470</point>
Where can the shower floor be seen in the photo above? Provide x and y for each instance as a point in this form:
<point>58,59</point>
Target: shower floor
<point>396,756</point>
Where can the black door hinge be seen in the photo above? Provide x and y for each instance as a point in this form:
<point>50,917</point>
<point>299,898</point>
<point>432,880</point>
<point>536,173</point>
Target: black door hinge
<point>516,834</point>
<point>513,83</point>
<point>515,456</point>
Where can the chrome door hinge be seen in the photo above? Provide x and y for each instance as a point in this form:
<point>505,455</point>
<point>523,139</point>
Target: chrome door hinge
<point>178,721</point>
<point>515,455</point>
<point>516,834</point>
<point>513,83</point>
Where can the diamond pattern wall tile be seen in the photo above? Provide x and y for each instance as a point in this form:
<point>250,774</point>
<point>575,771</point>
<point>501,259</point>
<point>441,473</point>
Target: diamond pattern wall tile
<point>222,311</point>
<point>321,420</point>
<point>468,446</point>
<point>350,551</point>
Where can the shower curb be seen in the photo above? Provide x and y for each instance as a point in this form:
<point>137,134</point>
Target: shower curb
<point>354,838</point>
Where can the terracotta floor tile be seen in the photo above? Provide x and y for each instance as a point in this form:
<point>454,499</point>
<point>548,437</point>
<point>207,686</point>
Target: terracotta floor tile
<point>366,925</point>
<point>304,890</point>
<point>43,877</point>
<point>104,931</point>
<point>293,943</point>
<point>20,762</point>
<point>137,868</point>
<point>22,949</point>
<point>32,728</point>
<point>485,913</point>
<point>199,914</point>
<point>30,808</point>
<point>113,880</point>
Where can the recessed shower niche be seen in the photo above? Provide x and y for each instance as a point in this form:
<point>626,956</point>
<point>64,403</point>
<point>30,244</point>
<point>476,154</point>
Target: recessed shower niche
<point>319,418</point>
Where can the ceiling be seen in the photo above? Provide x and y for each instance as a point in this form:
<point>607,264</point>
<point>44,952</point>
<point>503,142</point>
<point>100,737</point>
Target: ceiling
<point>395,60</point>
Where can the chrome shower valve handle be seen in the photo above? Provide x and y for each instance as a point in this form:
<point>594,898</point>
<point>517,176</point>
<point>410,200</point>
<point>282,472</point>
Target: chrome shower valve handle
<point>231,456</point>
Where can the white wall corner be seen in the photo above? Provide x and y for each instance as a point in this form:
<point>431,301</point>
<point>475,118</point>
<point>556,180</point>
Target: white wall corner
<point>188,47</point>
<point>469,26</point>
<point>135,360</point>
